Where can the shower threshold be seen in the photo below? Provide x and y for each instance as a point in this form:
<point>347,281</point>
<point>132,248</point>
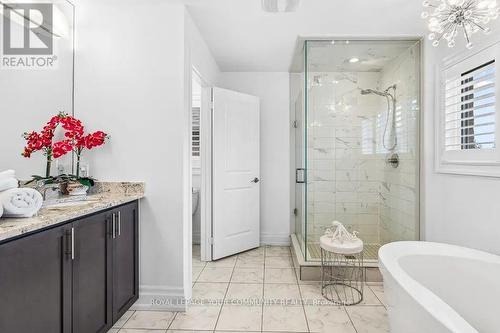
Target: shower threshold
<point>309,270</point>
<point>370,252</point>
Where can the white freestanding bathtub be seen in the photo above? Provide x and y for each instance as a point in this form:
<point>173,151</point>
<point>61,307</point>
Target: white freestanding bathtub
<point>440,288</point>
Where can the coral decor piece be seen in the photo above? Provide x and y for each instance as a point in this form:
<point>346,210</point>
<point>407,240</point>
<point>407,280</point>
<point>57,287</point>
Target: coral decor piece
<point>74,141</point>
<point>340,233</point>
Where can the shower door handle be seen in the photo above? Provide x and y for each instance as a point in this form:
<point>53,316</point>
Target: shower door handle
<point>300,175</point>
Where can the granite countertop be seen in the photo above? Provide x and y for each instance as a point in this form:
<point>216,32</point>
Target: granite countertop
<point>102,196</point>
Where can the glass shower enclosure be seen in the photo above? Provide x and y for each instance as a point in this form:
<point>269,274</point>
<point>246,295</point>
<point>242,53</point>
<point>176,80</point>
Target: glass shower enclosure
<point>356,111</point>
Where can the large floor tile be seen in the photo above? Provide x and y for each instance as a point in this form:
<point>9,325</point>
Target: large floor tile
<point>284,319</point>
<point>326,319</point>
<point>239,292</point>
<point>250,262</point>
<point>280,275</point>
<point>196,272</point>
<point>279,262</point>
<point>369,319</point>
<point>225,262</point>
<point>188,331</point>
<point>248,275</point>
<point>126,316</point>
<point>215,274</point>
<point>277,251</point>
<point>209,292</point>
<point>311,295</point>
<point>198,263</point>
<point>132,330</point>
<point>378,290</point>
<point>240,318</point>
<point>282,294</point>
<point>150,320</point>
<point>259,251</point>
<point>197,318</point>
<point>369,297</point>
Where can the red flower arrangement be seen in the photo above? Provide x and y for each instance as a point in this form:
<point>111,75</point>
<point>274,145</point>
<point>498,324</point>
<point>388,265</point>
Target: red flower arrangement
<point>74,141</point>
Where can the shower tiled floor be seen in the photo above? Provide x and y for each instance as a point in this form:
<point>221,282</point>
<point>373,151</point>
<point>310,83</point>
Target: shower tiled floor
<point>258,291</point>
<point>370,251</point>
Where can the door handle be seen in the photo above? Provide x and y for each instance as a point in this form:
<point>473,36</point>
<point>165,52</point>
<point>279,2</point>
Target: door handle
<point>113,218</point>
<point>67,243</point>
<point>300,175</point>
<point>72,243</point>
<point>255,180</point>
<point>119,224</point>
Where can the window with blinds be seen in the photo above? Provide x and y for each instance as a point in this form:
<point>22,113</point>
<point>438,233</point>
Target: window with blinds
<point>470,109</point>
<point>195,142</point>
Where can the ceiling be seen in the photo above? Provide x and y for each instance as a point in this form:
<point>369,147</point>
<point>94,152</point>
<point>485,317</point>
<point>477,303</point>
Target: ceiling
<point>242,37</point>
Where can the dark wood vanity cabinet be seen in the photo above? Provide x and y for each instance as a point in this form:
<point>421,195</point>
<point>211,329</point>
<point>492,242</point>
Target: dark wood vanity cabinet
<point>79,277</point>
<point>125,259</point>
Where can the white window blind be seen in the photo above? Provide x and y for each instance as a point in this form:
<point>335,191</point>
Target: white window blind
<point>470,108</point>
<point>195,142</point>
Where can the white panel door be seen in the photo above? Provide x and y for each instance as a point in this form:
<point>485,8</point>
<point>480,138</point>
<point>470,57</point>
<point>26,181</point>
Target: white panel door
<point>235,172</point>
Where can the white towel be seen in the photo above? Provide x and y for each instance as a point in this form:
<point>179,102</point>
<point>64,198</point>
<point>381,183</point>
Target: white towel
<point>21,202</point>
<point>7,174</point>
<point>8,183</point>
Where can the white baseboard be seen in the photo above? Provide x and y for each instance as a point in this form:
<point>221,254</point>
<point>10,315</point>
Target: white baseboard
<point>160,298</point>
<point>275,239</point>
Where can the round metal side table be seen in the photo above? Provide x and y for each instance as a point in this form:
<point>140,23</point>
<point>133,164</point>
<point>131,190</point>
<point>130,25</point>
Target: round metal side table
<point>342,272</point>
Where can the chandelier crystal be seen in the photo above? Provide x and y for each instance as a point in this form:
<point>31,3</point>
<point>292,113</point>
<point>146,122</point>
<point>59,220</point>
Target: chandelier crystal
<point>449,17</point>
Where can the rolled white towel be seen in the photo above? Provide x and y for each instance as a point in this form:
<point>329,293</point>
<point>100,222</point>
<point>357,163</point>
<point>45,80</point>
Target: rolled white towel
<point>21,202</point>
<point>7,174</point>
<point>8,183</point>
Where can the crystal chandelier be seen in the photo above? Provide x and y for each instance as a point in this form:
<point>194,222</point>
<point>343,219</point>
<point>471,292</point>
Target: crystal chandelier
<point>449,17</point>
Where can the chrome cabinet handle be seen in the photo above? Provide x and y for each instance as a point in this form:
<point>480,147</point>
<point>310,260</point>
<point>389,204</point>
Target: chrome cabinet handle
<point>119,224</point>
<point>72,243</point>
<point>114,225</point>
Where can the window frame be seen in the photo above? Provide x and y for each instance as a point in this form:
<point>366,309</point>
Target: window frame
<point>479,162</point>
<point>196,160</point>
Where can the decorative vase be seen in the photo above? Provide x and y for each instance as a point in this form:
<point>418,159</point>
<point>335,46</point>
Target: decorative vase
<point>74,188</point>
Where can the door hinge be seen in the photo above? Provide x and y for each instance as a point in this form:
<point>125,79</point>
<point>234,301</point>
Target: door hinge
<point>211,241</point>
<point>295,124</point>
<point>295,211</point>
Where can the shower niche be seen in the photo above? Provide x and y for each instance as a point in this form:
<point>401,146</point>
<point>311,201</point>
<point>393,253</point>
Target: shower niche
<point>355,144</point>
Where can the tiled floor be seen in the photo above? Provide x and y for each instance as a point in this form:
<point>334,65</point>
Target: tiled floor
<point>258,291</point>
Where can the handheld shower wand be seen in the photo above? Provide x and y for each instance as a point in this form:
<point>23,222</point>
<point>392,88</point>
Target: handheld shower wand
<point>391,102</point>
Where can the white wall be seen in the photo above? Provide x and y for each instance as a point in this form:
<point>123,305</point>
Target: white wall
<point>273,91</point>
<point>199,57</point>
<point>462,210</point>
<point>130,83</point>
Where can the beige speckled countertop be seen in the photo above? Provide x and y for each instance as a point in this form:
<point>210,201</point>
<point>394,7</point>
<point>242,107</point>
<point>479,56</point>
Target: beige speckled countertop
<point>105,195</point>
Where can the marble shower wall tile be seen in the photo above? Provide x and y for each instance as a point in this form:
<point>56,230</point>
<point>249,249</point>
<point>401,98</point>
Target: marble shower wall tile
<point>348,177</point>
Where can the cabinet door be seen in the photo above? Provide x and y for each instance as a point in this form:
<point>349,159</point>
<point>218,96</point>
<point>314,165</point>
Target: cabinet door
<point>125,259</point>
<point>92,275</point>
<point>35,283</point>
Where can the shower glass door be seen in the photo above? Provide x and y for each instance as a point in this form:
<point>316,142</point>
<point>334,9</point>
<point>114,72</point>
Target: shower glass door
<point>356,172</point>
